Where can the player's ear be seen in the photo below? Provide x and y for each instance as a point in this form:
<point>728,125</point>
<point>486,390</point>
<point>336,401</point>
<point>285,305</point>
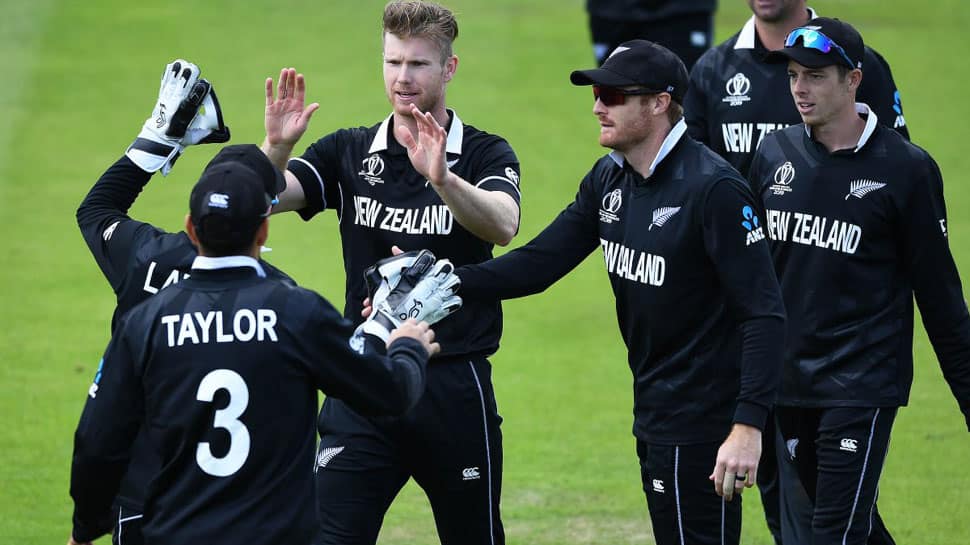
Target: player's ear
<point>451,66</point>
<point>190,230</point>
<point>262,233</point>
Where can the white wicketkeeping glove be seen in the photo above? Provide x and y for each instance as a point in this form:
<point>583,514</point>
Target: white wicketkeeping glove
<point>425,291</point>
<point>187,112</point>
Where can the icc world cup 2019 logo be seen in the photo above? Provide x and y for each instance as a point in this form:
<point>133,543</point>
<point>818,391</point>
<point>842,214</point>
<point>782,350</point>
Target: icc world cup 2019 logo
<point>611,204</point>
<point>737,88</point>
<point>371,168</point>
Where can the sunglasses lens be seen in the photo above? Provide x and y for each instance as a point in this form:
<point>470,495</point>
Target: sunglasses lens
<point>608,95</point>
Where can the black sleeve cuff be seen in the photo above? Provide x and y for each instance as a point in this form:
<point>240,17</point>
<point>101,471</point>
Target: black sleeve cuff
<point>312,185</point>
<point>751,414</point>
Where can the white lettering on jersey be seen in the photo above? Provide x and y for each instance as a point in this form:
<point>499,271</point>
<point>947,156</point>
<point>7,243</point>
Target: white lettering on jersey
<point>173,278</point>
<point>435,219</point>
<point>811,230</point>
<point>634,265</point>
<point>196,327</point>
<point>739,137</point>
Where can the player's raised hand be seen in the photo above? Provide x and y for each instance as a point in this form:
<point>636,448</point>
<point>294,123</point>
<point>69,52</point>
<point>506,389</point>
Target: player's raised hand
<point>287,116</point>
<point>426,149</point>
<point>737,461</point>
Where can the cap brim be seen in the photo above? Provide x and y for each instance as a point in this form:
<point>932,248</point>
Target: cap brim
<point>599,76</point>
<point>806,57</point>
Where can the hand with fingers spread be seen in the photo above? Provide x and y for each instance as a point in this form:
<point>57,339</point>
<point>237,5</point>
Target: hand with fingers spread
<point>286,115</point>
<point>737,461</point>
<point>426,149</point>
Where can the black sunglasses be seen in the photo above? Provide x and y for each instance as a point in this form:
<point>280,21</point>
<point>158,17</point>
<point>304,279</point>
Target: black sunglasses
<point>614,96</point>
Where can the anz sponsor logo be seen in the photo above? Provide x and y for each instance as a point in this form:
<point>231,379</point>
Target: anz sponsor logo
<point>849,445</point>
<point>434,219</point>
<point>372,167</point>
<point>898,108</point>
<point>752,226</point>
<point>810,230</point>
<point>611,204</point>
<point>737,89</point>
<point>739,137</point>
<point>93,390</point>
<point>634,265</point>
<point>784,176</point>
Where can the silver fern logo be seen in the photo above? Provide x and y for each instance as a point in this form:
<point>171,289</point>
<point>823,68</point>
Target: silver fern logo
<point>326,455</point>
<point>662,214</point>
<point>859,188</point>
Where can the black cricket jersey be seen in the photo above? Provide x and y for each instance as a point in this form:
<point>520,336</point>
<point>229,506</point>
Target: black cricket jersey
<point>649,10</point>
<point>138,259</point>
<point>222,369</point>
<point>735,98</point>
<point>688,264</point>
<point>854,235</point>
<point>365,175</point>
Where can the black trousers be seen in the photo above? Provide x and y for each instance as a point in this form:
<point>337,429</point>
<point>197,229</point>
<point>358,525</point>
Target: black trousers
<point>688,36</point>
<point>838,455</point>
<point>684,508</point>
<point>450,443</point>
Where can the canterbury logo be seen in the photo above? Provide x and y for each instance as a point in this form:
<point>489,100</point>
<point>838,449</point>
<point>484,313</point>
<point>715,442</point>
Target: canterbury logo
<point>326,455</point>
<point>658,486</point>
<point>849,445</point>
<point>860,188</point>
<point>662,214</point>
<point>470,473</point>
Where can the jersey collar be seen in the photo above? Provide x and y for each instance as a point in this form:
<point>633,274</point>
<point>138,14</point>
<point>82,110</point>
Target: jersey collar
<point>668,144</point>
<point>453,146</point>
<point>203,263</point>
<point>863,110</point>
<point>747,36</point>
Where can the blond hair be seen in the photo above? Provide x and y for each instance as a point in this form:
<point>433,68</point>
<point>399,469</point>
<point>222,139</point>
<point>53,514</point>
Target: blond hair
<point>416,19</point>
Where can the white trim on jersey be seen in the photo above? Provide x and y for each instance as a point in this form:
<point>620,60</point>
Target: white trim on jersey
<point>456,134</point>
<point>746,36</point>
<point>323,192</point>
<point>488,452</point>
<point>204,263</point>
<point>680,518</point>
<point>871,121</point>
<point>862,478</point>
<point>501,178</point>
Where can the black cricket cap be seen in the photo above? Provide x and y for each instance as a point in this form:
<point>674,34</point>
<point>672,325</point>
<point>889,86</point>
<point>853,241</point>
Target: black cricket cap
<point>841,33</point>
<point>234,195</point>
<point>642,63</point>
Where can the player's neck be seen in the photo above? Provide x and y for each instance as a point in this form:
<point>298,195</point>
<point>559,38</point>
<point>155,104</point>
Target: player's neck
<point>772,34</point>
<point>641,155</point>
<point>842,132</point>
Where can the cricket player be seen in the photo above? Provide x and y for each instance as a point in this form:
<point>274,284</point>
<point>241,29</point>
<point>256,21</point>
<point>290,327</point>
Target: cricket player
<point>139,259</point>
<point>857,224</point>
<point>697,301</point>
<point>222,370</point>
<point>734,100</point>
<point>421,178</point>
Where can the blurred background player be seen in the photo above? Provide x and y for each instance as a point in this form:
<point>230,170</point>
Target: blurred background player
<point>857,224</point>
<point>734,100</point>
<point>421,178</point>
<point>686,27</point>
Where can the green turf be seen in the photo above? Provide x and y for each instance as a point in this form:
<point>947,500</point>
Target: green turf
<point>79,78</point>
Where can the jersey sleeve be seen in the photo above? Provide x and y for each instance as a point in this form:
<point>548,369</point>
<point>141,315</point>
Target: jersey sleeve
<point>498,170</point>
<point>695,100</point>
<point>936,282</point>
<point>532,268</point>
<point>104,436</point>
<point>734,238</point>
<point>367,379</point>
<point>878,90</point>
<point>102,216</point>
<point>318,173</point>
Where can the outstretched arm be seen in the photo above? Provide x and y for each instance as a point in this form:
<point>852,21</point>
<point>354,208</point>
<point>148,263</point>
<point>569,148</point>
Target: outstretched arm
<point>489,215</point>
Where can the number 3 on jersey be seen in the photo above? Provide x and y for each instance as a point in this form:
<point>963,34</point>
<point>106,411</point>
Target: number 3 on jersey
<point>227,419</point>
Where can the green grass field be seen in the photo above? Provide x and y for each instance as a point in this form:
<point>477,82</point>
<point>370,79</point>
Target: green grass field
<point>80,77</point>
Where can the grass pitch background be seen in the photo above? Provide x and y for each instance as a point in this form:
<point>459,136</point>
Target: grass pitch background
<point>80,77</point>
